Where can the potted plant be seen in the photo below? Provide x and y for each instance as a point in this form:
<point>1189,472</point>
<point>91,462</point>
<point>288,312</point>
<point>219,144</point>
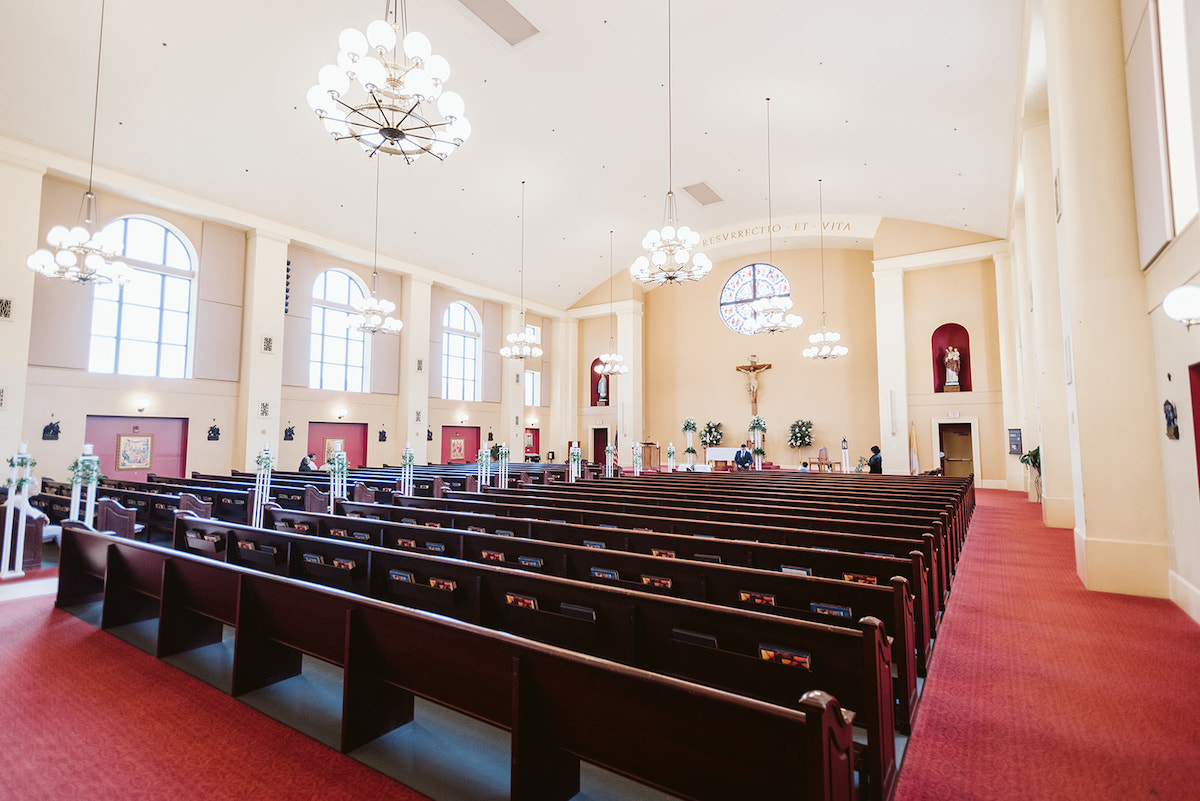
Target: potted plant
<point>800,435</point>
<point>1033,459</point>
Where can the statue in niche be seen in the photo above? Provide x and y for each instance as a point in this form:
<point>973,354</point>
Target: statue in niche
<point>602,390</point>
<point>1170,415</point>
<point>953,366</point>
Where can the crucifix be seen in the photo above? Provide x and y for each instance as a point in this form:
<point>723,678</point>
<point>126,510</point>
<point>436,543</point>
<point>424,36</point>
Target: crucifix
<point>751,371</point>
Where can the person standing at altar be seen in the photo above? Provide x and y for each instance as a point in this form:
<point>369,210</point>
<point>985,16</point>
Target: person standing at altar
<point>743,458</point>
<point>875,463</point>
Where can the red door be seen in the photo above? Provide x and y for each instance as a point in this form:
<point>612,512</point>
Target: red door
<point>599,443</point>
<point>460,444</point>
<point>532,442</point>
<point>131,447</point>
<point>324,437</point>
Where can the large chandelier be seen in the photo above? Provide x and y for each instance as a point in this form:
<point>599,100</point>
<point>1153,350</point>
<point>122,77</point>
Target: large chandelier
<point>824,343</point>
<point>611,363</point>
<point>374,314</point>
<point>670,259</point>
<point>80,254</point>
<point>521,344</point>
<point>770,315</point>
<point>399,85</point>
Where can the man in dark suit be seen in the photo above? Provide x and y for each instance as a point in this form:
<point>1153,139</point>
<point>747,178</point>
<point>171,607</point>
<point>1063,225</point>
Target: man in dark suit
<point>743,458</point>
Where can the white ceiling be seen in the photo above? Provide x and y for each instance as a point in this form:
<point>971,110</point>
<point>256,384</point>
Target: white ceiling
<point>904,109</point>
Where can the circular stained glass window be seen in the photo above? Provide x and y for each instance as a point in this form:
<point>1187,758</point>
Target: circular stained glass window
<point>748,284</point>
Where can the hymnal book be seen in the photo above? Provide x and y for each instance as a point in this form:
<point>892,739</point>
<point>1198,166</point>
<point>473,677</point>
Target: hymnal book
<point>503,532</point>
<point>694,637</point>
<point>361,536</point>
<point>593,544</point>
<point>443,584</point>
<point>403,543</point>
<point>409,520</point>
<point>859,578</point>
<point>492,556</point>
<point>707,557</point>
<point>784,656</point>
<point>663,553</point>
<point>642,529</point>
<point>344,564</point>
<point>605,573</point>
<point>577,611</point>
<point>314,558</point>
<point>477,529</point>
<point>302,526</point>
<point>338,532</point>
<point>208,537</point>
<point>267,549</point>
<point>529,561</point>
<point>796,571</point>
<point>661,582</point>
<point>876,553</point>
<point>436,547</point>
<point>523,601</point>
<point>354,514</point>
<point>606,525</point>
<point>401,575</point>
<point>830,609</point>
<point>762,598</point>
<point>432,524</point>
<point>247,545</point>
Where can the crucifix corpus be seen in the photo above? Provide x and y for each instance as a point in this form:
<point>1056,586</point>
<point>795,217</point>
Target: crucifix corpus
<point>751,370</point>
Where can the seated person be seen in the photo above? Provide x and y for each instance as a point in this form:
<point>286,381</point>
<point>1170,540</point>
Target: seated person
<point>308,464</point>
<point>743,458</point>
<point>804,467</point>
<point>875,463</point>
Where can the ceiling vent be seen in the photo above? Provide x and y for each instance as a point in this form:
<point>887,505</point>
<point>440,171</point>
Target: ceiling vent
<point>703,194</point>
<point>502,18</point>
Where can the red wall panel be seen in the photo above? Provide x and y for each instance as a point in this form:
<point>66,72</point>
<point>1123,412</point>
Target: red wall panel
<point>168,451</point>
<point>470,437</point>
<point>353,434</point>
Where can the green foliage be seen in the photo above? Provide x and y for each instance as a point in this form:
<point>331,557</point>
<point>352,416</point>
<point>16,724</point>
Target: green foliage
<point>1033,458</point>
<point>495,452</point>
<point>800,434</point>
<point>757,423</point>
<point>759,452</point>
<point>710,437</point>
<point>690,450</point>
<point>689,424</point>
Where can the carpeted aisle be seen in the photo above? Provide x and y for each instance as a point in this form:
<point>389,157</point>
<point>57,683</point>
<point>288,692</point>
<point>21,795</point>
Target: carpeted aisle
<point>85,715</point>
<point>1042,690</point>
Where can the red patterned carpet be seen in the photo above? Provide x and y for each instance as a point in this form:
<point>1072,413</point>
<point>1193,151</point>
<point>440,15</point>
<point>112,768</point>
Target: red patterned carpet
<point>87,716</point>
<point>1042,690</point>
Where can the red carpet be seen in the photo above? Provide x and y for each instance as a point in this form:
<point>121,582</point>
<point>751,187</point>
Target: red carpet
<point>1042,690</point>
<point>87,716</point>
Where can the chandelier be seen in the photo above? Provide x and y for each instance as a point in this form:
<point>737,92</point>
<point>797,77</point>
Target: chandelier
<point>374,314</point>
<point>770,315</point>
<point>1182,304</point>
<point>80,254</point>
<point>384,90</point>
<point>670,258</point>
<point>611,363</point>
<point>824,343</point>
<point>521,344</point>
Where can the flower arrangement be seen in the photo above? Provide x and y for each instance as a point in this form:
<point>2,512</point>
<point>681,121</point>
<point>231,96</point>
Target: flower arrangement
<point>407,458</point>
<point>710,437</point>
<point>86,471</point>
<point>862,463</point>
<point>671,450</point>
<point>337,465</point>
<point>800,434</point>
<point>758,452</point>
<point>690,450</point>
<point>483,458</point>
<point>576,456</point>
<point>21,461</point>
<point>689,424</point>
<point>757,423</point>
<point>264,461</point>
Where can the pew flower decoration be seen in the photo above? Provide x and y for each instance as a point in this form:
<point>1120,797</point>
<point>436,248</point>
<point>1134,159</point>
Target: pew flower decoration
<point>503,455</point>
<point>689,424</point>
<point>407,458</point>
<point>86,472</point>
<point>338,466</point>
<point>483,458</point>
<point>690,450</point>
<point>671,450</point>
<point>710,437</point>
<point>576,456</point>
<point>21,462</point>
<point>862,464</point>
<point>800,434</point>
<point>757,423</point>
<point>758,452</point>
<point>264,461</point>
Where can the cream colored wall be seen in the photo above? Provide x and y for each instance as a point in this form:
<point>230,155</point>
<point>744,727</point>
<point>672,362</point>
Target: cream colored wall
<point>904,237</point>
<point>593,340</point>
<point>691,358</point>
<point>963,294</point>
<point>302,405</point>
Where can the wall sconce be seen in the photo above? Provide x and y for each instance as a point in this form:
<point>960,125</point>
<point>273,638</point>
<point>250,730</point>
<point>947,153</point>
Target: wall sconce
<point>533,421</point>
<point>463,418</point>
<point>341,413</point>
<point>1183,304</point>
<point>142,404</point>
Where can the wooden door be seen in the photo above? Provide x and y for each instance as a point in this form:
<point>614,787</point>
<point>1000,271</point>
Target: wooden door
<point>956,447</point>
<point>599,444</point>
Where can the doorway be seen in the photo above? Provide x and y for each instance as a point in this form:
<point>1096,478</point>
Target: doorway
<point>1194,378</point>
<point>533,449</point>
<point>599,444</point>
<point>957,449</point>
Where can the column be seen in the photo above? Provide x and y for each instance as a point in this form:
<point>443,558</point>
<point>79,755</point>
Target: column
<point>564,391</point>
<point>1120,530</point>
<point>893,370</point>
<point>20,212</point>
<point>629,387</point>
<point>512,392</point>
<point>1022,302</point>
<point>1010,377</point>
<point>261,380</point>
<point>1058,505</point>
<point>412,403</point>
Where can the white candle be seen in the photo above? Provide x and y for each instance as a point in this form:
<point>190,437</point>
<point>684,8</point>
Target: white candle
<point>24,447</point>
<point>87,450</point>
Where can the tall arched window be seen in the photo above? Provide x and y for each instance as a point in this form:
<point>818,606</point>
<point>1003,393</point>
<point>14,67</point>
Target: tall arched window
<point>338,355</point>
<point>460,353</point>
<point>144,327</point>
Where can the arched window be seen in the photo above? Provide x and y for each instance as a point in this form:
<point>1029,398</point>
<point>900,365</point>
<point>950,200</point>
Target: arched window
<point>144,327</point>
<point>338,355</point>
<point>460,353</point>
<point>747,285</point>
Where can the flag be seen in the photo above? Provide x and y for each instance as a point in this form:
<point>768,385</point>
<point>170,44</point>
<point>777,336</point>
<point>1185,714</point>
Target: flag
<point>913,464</point>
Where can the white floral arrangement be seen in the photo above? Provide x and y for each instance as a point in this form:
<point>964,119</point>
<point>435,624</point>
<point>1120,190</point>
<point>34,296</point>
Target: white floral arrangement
<point>689,424</point>
<point>264,461</point>
<point>710,437</point>
<point>337,465</point>
<point>483,458</point>
<point>800,434</point>
<point>757,423</point>
<point>86,471</point>
<point>22,460</point>
<point>576,456</point>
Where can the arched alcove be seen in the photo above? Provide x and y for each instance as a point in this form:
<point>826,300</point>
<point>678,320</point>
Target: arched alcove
<point>945,337</point>
<point>601,392</point>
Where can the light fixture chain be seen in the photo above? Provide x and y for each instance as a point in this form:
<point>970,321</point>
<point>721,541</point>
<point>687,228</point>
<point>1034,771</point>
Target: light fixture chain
<point>770,211</point>
<point>611,281</point>
<point>375,258</point>
<point>522,256</point>
<point>670,112</point>
<point>96,101</point>
<point>821,235</point>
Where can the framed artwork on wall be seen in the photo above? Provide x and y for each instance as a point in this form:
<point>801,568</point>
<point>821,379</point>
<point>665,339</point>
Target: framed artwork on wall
<point>458,449</point>
<point>331,446</point>
<point>134,451</point>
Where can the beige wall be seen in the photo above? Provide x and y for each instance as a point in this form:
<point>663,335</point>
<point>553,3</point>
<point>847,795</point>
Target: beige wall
<point>593,340</point>
<point>691,356</point>
<point>904,237</point>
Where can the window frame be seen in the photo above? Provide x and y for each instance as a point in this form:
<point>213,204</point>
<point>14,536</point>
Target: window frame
<point>322,308</point>
<point>723,303</point>
<point>532,386</point>
<point>471,332</point>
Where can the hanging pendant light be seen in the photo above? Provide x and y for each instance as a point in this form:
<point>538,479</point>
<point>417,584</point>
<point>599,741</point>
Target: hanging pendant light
<point>670,259</point>
<point>81,254</point>
<point>521,344</point>
<point>374,314</point>
<point>611,363</point>
<point>384,90</point>
<point>771,314</point>
<point>824,344</point>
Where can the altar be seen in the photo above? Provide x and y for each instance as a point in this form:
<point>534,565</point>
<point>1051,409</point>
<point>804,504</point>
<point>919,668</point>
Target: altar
<point>720,457</point>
